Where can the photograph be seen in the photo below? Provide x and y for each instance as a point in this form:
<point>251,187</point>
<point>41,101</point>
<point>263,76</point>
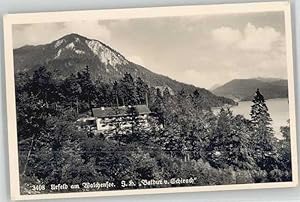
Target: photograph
<point>150,100</point>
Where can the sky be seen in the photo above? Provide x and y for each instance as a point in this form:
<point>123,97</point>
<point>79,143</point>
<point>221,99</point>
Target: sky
<point>201,50</point>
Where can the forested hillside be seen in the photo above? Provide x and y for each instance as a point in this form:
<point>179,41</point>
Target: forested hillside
<point>214,149</point>
<point>242,89</point>
<point>72,53</point>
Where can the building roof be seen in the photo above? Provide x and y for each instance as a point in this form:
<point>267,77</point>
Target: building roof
<point>104,112</point>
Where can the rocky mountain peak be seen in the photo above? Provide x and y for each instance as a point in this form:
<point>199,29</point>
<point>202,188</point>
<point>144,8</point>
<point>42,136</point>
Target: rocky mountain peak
<point>79,45</point>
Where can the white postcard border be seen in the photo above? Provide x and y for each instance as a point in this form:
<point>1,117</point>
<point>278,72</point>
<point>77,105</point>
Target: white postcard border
<point>50,17</point>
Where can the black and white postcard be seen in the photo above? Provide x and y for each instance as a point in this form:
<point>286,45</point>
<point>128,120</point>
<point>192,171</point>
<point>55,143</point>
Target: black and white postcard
<point>150,100</point>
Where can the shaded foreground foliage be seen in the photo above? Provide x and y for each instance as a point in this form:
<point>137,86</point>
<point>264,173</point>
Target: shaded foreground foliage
<point>194,142</point>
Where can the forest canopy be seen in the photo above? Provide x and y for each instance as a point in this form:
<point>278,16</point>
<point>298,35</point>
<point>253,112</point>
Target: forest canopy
<point>218,149</point>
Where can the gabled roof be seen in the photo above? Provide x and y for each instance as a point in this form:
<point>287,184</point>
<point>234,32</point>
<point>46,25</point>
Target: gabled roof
<point>103,112</point>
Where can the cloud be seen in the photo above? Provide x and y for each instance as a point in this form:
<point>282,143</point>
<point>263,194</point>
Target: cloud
<point>259,38</point>
<point>251,38</point>
<point>35,34</point>
<point>249,51</point>
<point>197,50</point>
<point>87,29</point>
<point>227,35</point>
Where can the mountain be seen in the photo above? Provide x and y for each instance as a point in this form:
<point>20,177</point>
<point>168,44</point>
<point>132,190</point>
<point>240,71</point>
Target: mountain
<point>214,87</point>
<point>267,79</point>
<point>71,53</point>
<point>244,89</point>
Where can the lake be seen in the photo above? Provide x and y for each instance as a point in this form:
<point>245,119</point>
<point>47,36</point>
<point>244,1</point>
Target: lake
<point>278,109</point>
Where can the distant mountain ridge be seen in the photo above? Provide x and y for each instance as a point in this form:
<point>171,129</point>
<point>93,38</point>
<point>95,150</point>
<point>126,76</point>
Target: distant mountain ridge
<point>72,53</point>
<point>214,87</point>
<point>244,89</point>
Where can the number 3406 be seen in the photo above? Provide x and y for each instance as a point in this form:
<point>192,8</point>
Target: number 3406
<point>39,187</point>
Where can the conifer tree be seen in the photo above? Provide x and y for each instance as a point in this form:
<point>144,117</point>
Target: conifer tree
<point>43,85</point>
<point>158,106</point>
<point>128,90</point>
<point>217,154</point>
<point>87,87</point>
<point>106,95</point>
<point>142,91</point>
<point>264,141</point>
<point>285,152</point>
<point>238,145</point>
<point>72,90</point>
<point>260,116</point>
<point>115,93</point>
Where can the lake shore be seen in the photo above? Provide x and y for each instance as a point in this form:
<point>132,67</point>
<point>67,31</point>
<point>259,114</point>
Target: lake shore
<point>278,109</point>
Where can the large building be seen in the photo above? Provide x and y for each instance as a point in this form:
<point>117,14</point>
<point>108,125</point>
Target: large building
<point>110,118</point>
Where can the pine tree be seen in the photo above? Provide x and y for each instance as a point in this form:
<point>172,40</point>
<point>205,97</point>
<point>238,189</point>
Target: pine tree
<point>115,93</point>
<point>88,87</point>
<point>264,141</point>
<point>72,90</point>
<point>106,95</point>
<point>285,152</point>
<point>260,115</point>
<point>43,85</point>
<point>217,153</point>
<point>128,90</point>
<point>142,90</point>
<point>230,143</point>
<point>238,145</point>
<point>158,106</point>
<point>170,106</point>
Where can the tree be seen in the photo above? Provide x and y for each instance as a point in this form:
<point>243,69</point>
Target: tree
<point>88,88</point>
<point>33,109</point>
<point>264,141</point>
<point>43,86</point>
<point>142,91</point>
<point>285,152</point>
<point>128,90</point>
<point>72,91</point>
<point>158,107</point>
<point>217,151</point>
<point>115,93</point>
<point>166,93</point>
<point>230,143</point>
<point>238,145</point>
<point>134,118</point>
<point>105,95</point>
